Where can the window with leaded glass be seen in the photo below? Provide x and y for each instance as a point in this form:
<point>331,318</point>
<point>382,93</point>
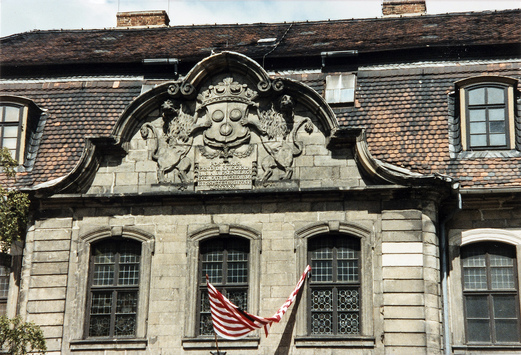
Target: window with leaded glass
<point>4,288</point>
<point>334,286</point>
<point>487,117</point>
<point>491,293</point>
<point>11,121</point>
<point>113,291</point>
<point>225,261</point>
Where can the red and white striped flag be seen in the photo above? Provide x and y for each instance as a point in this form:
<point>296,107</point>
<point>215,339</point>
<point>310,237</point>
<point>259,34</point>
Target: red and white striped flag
<point>231,322</point>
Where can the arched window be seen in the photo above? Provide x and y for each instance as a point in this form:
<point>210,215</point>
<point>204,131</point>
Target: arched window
<point>226,262</point>
<point>11,127</point>
<point>334,287</point>
<point>487,116</point>
<point>487,113</point>
<point>491,293</point>
<point>113,288</point>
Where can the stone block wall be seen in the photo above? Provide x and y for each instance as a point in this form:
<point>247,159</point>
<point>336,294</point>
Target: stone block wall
<point>401,303</point>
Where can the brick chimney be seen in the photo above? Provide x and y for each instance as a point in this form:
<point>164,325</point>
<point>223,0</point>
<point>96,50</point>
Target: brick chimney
<point>142,18</point>
<point>404,7</point>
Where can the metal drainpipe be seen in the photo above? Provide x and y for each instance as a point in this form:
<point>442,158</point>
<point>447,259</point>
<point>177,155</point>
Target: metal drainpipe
<point>444,272</point>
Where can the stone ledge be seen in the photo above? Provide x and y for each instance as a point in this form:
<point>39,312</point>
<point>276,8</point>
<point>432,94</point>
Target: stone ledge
<point>486,349</point>
<point>109,344</point>
<point>209,343</point>
<point>334,342</point>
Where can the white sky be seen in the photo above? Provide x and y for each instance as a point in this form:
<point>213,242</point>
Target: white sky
<point>25,15</point>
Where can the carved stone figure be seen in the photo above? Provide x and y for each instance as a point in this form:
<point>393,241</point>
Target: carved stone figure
<point>172,146</point>
<point>281,127</point>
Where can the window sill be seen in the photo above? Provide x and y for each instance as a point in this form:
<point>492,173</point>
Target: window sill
<point>334,342</point>
<point>485,349</point>
<point>487,153</point>
<point>209,343</point>
<point>109,344</point>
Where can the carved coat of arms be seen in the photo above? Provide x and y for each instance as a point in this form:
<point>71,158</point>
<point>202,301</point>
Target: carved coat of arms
<point>225,116</point>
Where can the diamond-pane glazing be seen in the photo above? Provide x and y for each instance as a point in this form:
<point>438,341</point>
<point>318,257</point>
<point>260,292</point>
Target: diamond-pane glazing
<point>348,300</point>
<point>125,325</point>
<point>321,323</point>
<point>238,298</point>
<point>126,302</point>
<point>99,326</point>
<point>206,325</point>
<point>348,323</point>
<point>205,302</point>
<point>321,300</point>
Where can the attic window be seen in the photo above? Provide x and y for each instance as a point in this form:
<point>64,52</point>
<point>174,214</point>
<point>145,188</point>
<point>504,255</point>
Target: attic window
<point>266,41</point>
<point>12,119</point>
<point>340,88</point>
<point>487,114</point>
<point>21,127</point>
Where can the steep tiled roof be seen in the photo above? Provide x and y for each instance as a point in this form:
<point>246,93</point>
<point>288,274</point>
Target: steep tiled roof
<point>404,108</point>
<point>192,43</point>
<point>76,109</point>
<point>404,112</point>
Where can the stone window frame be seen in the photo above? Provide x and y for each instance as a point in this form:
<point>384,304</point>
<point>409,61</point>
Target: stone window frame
<point>457,240</point>
<point>191,339</point>
<point>12,261</point>
<point>458,135</point>
<point>114,287</point>
<point>366,337</point>
<point>78,288</point>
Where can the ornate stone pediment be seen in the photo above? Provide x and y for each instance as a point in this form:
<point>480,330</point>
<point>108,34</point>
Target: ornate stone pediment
<point>231,129</point>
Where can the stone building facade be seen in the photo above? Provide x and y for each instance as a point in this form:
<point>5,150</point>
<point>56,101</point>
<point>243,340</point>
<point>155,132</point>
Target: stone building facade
<point>366,160</point>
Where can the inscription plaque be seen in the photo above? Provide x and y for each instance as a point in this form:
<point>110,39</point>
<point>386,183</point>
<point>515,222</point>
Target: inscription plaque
<point>224,176</point>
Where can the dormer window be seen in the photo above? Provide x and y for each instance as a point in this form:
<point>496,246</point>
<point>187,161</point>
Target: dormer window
<point>12,118</point>
<point>340,88</point>
<point>487,114</point>
<point>21,127</point>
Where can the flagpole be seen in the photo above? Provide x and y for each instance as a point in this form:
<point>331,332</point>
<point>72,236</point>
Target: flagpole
<point>216,343</point>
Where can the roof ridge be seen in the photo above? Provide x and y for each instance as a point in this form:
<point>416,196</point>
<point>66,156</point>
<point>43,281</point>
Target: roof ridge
<point>231,25</point>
